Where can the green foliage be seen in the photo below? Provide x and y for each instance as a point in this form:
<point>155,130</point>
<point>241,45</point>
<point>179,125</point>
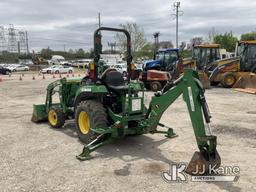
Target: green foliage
<point>227,41</point>
<point>186,53</point>
<point>146,51</point>
<point>7,57</point>
<point>71,54</point>
<point>248,36</point>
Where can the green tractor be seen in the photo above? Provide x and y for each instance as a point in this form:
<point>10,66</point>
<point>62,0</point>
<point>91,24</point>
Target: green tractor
<point>105,107</point>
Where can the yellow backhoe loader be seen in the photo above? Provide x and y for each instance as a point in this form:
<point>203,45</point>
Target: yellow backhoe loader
<point>238,72</point>
<point>202,58</point>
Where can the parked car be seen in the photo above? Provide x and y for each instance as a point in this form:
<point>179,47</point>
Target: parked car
<point>58,69</point>
<point>15,68</point>
<point>57,60</point>
<point>5,71</point>
<point>66,63</point>
<point>122,68</point>
<point>82,63</point>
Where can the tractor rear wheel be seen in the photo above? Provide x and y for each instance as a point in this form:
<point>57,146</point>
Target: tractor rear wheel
<point>89,114</point>
<point>155,86</point>
<point>56,118</point>
<point>228,80</point>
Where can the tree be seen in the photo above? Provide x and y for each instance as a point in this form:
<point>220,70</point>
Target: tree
<point>165,44</point>
<point>80,53</point>
<point>46,53</point>
<point>196,41</point>
<point>186,53</point>
<point>147,51</point>
<point>7,57</point>
<point>248,36</point>
<point>211,34</point>
<point>227,41</point>
<point>71,51</point>
<point>137,38</point>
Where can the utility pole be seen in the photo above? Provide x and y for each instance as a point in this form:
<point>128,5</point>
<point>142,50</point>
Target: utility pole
<point>178,13</point>
<point>27,42</point>
<point>156,37</point>
<point>113,47</point>
<point>19,48</point>
<point>99,20</point>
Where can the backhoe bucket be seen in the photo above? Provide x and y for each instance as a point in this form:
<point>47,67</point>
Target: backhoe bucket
<point>246,83</point>
<point>39,113</point>
<point>204,80</point>
<point>200,163</point>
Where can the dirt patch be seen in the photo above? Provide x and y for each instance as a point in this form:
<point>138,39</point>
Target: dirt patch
<point>239,132</point>
<point>124,171</point>
<point>251,112</point>
<point>153,168</point>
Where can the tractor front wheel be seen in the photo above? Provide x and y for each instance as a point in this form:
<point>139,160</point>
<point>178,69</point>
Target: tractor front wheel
<point>89,114</point>
<point>155,86</point>
<point>56,117</point>
<point>228,80</point>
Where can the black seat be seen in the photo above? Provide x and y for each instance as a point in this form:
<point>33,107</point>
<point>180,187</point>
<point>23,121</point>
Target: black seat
<point>115,80</point>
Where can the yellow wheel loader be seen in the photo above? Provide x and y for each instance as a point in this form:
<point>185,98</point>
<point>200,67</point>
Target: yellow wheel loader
<point>238,72</point>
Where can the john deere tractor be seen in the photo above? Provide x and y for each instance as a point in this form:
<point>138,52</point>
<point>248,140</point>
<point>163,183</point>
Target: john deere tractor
<point>105,107</point>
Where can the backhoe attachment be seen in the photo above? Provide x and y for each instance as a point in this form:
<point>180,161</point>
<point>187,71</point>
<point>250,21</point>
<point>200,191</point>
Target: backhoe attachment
<point>192,90</point>
<point>201,162</point>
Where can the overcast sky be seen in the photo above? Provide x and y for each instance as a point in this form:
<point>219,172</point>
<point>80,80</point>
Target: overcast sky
<point>72,22</point>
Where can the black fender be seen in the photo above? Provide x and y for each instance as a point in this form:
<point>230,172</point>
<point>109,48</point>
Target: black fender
<point>87,96</point>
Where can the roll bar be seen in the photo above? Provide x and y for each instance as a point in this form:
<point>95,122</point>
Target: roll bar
<point>98,47</point>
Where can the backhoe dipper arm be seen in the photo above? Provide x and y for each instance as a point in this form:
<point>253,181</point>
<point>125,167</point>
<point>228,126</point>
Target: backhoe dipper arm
<point>193,94</point>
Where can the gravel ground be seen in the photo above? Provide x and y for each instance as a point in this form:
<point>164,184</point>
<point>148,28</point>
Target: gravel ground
<point>34,157</point>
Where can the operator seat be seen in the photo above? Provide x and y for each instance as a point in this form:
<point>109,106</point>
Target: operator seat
<point>114,80</point>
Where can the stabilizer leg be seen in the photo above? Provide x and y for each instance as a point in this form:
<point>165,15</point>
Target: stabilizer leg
<point>169,133</point>
<point>95,144</point>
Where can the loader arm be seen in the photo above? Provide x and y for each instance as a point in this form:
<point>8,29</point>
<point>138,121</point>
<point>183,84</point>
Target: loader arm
<point>40,111</point>
<point>193,94</point>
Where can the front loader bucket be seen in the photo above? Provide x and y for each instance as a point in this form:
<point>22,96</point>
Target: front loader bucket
<point>204,80</point>
<point>201,163</point>
<point>39,113</point>
<point>246,83</point>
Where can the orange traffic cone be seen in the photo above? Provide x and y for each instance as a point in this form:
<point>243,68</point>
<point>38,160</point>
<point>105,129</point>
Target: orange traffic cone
<point>20,78</point>
<point>33,78</point>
